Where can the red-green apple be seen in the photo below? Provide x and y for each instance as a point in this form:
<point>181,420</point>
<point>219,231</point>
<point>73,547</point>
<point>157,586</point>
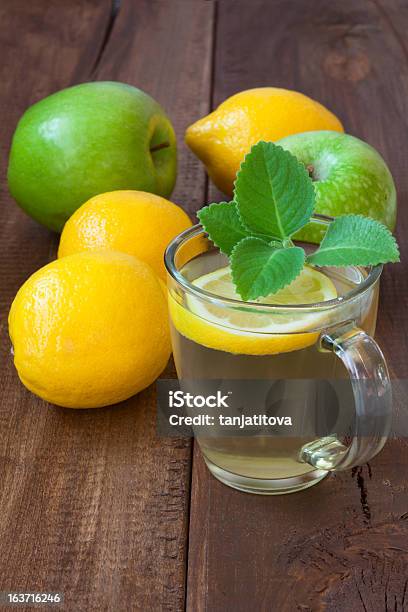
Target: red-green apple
<point>86,140</point>
<point>349,175</point>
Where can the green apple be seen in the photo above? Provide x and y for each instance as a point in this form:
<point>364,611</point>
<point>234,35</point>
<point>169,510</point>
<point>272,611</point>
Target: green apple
<point>86,140</point>
<point>350,176</point>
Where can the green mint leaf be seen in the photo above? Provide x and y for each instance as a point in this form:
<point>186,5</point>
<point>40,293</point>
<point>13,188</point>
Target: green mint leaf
<point>354,240</point>
<point>260,268</point>
<point>274,193</point>
<point>223,225</point>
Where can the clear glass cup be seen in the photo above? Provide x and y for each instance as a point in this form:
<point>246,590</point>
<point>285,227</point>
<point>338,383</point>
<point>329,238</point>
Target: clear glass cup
<point>216,338</point>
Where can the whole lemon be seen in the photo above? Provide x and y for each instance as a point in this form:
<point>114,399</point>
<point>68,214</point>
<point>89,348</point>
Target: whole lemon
<point>133,222</point>
<point>90,329</point>
<point>222,138</point>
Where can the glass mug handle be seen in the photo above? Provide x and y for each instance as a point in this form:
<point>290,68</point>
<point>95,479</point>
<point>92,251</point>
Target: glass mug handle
<point>365,362</point>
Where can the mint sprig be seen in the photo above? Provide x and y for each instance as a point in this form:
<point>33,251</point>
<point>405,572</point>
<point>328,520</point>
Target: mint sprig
<point>273,192</point>
<point>259,268</point>
<point>274,198</point>
<point>354,240</point>
<point>223,223</point>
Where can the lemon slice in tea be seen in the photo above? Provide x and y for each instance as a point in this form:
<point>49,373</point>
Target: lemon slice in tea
<point>242,329</point>
<point>310,287</point>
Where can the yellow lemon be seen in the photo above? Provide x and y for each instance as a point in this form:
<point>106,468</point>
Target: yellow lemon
<point>222,139</point>
<point>133,222</point>
<point>246,330</point>
<point>90,329</point>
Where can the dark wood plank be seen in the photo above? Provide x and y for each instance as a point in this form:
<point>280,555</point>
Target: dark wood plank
<point>165,48</point>
<point>93,504</point>
<point>341,545</point>
<point>167,52</point>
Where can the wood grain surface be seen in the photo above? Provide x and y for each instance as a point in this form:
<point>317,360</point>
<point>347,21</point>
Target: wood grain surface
<point>342,545</point>
<point>94,504</point>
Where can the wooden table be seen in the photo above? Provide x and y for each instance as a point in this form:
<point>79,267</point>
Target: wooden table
<point>94,504</point>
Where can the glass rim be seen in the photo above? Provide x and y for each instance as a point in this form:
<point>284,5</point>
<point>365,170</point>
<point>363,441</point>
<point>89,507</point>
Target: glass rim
<point>373,274</point>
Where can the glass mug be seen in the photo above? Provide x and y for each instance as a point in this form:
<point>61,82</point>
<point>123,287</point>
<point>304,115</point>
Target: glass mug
<point>217,338</point>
